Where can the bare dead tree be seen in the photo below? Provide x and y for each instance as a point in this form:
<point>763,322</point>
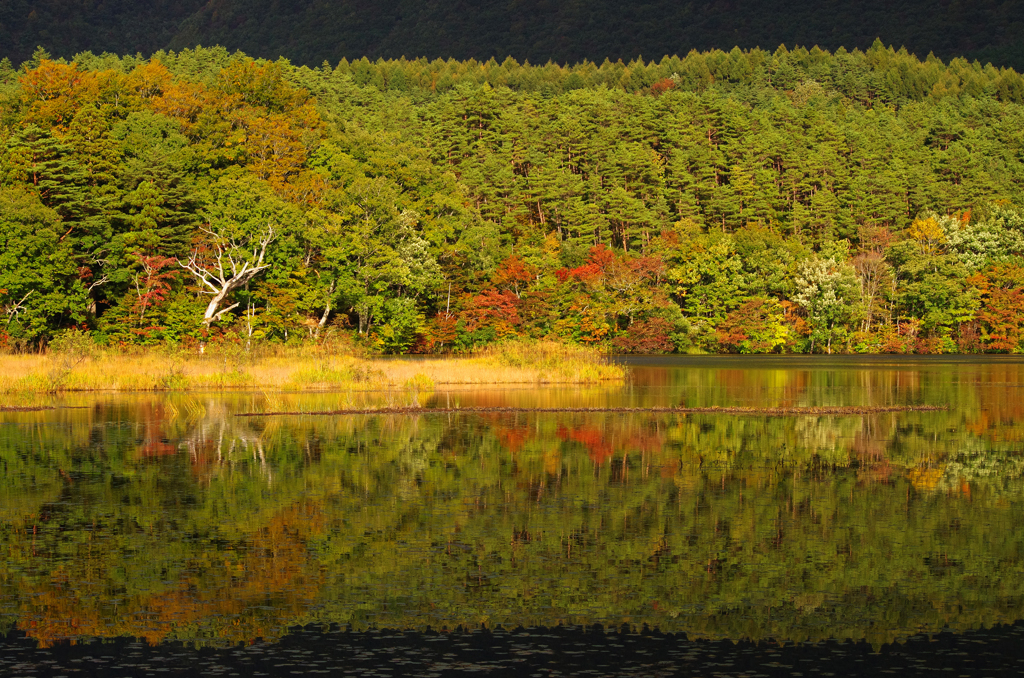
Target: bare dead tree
<point>235,267</point>
<point>327,310</point>
<point>873,272</point>
<point>15,308</point>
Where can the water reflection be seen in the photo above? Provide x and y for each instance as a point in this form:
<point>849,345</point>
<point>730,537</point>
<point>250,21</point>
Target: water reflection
<point>164,516</point>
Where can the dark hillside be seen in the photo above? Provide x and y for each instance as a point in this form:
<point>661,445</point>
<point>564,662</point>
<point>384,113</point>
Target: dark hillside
<point>311,31</point>
<point>66,27</point>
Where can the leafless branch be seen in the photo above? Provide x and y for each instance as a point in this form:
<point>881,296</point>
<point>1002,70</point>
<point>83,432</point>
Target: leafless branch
<point>222,283</point>
<point>97,283</point>
<point>15,309</point>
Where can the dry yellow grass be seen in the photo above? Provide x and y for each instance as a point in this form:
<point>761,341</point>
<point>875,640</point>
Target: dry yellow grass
<point>300,370</point>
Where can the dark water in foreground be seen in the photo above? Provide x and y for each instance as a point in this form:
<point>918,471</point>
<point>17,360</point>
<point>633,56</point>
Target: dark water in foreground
<point>546,652</point>
<point>160,531</point>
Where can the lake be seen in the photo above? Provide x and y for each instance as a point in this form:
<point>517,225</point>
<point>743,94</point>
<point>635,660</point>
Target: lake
<point>162,531</point>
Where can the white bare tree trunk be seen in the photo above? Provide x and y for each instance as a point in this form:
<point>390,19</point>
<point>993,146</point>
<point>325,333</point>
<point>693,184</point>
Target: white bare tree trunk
<point>327,310</point>
<point>223,281</point>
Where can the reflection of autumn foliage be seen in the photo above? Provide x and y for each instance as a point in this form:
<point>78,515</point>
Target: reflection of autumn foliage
<point>601,442</point>
<point>233,586</point>
<point>586,496</point>
<point>925,479</point>
<point>203,458</point>
<point>794,388</point>
<point>512,433</point>
<point>512,439</point>
<point>644,441</point>
<point>999,410</point>
<point>155,439</point>
<point>275,567</point>
<point>872,464</point>
<point>767,388</point>
<point>593,439</point>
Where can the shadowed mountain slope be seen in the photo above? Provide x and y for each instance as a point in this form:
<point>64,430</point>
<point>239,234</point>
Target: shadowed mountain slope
<point>66,27</point>
<point>311,31</point>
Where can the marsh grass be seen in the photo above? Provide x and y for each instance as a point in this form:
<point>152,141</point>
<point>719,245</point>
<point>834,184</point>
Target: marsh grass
<point>67,352</point>
<point>86,368</point>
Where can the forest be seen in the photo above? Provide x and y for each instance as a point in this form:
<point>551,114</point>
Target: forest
<point>750,201</point>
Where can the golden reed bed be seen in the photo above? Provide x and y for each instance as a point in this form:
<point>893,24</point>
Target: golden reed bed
<point>303,369</point>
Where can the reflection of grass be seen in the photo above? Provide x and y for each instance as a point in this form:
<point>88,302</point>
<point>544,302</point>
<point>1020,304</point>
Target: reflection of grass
<point>308,369</point>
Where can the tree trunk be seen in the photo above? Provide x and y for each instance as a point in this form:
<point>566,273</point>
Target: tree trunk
<point>219,282</point>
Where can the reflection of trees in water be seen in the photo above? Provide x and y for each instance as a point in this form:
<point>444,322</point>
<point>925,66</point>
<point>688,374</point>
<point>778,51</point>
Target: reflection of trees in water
<point>153,545</point>
<point>998,471</point>
<point>261,584</point>
<point>215,440</point>
<point>737,526</point>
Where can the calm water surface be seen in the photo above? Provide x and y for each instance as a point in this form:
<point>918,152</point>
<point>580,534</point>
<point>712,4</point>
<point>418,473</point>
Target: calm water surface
<point>159,531</point>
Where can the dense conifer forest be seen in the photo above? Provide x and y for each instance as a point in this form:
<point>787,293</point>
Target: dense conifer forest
<point>742,201</point>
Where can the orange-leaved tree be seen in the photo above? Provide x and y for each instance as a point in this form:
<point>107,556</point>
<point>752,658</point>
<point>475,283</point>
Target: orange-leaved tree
<point>1002,311</point>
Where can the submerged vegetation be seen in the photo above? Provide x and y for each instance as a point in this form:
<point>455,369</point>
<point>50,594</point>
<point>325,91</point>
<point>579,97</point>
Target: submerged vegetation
<point>743,201</point>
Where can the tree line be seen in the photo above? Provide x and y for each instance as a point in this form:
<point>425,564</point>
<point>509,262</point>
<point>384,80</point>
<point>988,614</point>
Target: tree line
<point>743,201</point>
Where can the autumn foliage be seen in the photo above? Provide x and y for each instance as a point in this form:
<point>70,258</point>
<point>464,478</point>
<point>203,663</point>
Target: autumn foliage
<point>470,214</point>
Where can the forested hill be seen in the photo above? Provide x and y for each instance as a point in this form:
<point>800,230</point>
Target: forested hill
<point>311,31</point>
<point>727,201</point>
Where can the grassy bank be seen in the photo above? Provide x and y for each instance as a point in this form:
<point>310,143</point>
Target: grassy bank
<point>315,368</point>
